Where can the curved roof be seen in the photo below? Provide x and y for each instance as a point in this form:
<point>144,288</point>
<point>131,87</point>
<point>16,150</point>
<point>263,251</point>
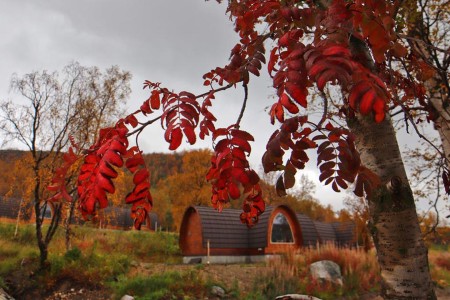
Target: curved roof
<point>325,231</point>
<point>308,230</point>
<point>9,208</point>
<point>121,217</point>
<point>344,232</point>
<point>225,230</point>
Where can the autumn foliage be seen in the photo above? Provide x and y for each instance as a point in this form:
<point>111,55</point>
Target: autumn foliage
<point>308,48</point>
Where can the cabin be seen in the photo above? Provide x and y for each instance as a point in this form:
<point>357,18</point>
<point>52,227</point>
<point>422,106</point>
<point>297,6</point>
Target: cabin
<point>11,208</point>
<point>111,217</point>
<point>209,236</point>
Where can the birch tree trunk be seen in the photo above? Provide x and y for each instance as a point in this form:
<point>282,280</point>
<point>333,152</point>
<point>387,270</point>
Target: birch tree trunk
<point>402,254</point>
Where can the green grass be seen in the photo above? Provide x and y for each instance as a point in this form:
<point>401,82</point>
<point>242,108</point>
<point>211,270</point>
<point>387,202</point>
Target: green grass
<point>97,256</point>
<point>168,285</point>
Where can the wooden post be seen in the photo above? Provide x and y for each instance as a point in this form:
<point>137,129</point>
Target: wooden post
<point>207,247</point>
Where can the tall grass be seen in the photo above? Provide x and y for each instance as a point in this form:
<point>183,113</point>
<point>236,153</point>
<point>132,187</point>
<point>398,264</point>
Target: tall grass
<point>440,265</point>
<point>289,273</point>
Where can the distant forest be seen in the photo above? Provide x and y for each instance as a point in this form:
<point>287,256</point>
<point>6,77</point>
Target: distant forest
<point>177,181</point>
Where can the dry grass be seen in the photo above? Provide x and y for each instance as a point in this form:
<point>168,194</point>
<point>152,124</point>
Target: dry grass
<point>440,266</point>
<point>290,274</point>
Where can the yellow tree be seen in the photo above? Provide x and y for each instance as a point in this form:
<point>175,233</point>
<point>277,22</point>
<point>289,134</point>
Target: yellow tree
<point>188,187</point>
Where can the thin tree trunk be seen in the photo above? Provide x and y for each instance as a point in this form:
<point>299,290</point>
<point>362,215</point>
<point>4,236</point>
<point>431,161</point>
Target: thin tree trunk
<point>435,86</point>
<point>18,217</point>
<point>67,225</point>
<point>394,226</point>
<point>43,251</point>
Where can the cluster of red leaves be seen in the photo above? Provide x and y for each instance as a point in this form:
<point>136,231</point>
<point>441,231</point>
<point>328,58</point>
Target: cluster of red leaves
<point>231,175</point>
<point>58,185</point>
<point>338,161</point>
<point>99,169</point>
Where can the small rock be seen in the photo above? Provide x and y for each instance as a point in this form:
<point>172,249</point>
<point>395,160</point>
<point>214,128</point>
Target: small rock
<point>127,297</point>
<point>4,295</point>
<point>196,260</point>
<point>80,291</point>
<point>326,271</point>
<point>218,291</point>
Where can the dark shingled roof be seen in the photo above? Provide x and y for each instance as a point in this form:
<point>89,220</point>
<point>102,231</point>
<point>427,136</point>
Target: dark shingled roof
<point>9,207</point>
<point>308,230</point>
<point>224,229</point>
<point>344,232</point>
<point>325,231</point>
<point>121,217</point>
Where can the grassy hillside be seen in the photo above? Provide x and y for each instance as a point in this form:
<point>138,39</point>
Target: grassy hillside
<point>105,264</point>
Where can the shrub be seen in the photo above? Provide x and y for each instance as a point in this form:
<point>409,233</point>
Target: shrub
<point>73,254</point>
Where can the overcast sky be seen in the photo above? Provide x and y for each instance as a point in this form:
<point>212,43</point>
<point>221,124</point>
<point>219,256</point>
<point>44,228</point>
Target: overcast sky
<point>170,41</point>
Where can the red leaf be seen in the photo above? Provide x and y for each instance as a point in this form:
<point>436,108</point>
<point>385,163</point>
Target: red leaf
<point>113,158</point>
<point>190,134</point>
<point>155,101</point>
<point>107,170</point>
<point>133,162</point>
<point>288,104</point>
<point>242,135</point>
<point>140,176</point>
<point>243,144</point>
<point>233,190</point>
<point>281,190</point>
<point>297,93</point>
<point>106,184</point>
<point>175,138</point>
<point>365,105</point>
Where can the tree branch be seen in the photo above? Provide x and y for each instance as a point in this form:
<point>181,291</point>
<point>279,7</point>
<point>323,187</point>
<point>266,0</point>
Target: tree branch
<point>244,105</point>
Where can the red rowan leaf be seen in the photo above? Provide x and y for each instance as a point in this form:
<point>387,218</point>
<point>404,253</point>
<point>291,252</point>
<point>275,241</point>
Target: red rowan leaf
<point>357,92</point>
<point>233,190</point>
<point>190,134</point>
<point>106,184</point>
<point>243,135</point>
<point>341,182</point>
<point>243,144</point>
<point>218,132</point>
<point>175,138</point>
<point>298,94</point>
<point>131,119</point>
<point>106,170</point>
<point>133,162</point>
<point>288,104</point>
<point>326,174</point>
<point>280,189</point>
<point>335,187</point>
<point>289,179</point>
<point>155,100</point>
<point>140,176</point>
<point>113,158</point>
<point>327,165</point>
<point>367,101</point>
